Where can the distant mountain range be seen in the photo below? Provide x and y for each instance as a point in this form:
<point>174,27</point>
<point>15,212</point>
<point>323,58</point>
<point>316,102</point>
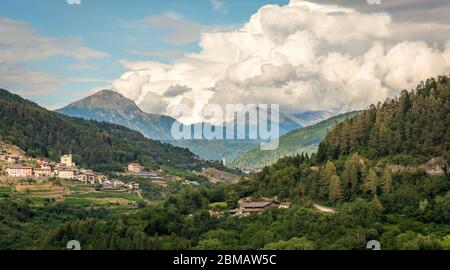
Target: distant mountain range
<point>310,118</point>
<point>112,107</point>
<point>305,140</point>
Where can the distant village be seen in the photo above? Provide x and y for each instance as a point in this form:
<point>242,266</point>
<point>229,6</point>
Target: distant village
<point>20,167</point>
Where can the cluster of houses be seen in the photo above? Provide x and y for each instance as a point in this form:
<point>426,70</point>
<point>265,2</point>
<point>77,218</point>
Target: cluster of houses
<point>21,168</point>
<point>65,169</point>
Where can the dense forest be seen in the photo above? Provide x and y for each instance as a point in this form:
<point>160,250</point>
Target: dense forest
<point>376,186</point>
<point>417,124</point>
<point>97,145</point>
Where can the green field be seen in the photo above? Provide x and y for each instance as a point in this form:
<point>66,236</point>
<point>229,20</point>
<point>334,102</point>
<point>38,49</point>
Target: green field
<point>79,188</point>
<point>38,200</point>
<point>115,191</point>
<point>78,201</point>
<point>5,190</point>
<point>41,190</point>
<point>104,195</point>
<point>175,171</point>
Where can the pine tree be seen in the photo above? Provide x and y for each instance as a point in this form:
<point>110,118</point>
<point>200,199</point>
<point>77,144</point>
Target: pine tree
<point>335,189</point>
<point>371,182</point>
<point>345,138</point>
<point>349,176</point>
<point>354,172</point>
<point>386,181</point>
<point>325,175</point>
<point>376,209</point>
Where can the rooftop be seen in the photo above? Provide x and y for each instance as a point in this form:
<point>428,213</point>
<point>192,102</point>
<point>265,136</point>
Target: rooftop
<point>257,204</point>
<point>19,166</point>
<point>43,169</point>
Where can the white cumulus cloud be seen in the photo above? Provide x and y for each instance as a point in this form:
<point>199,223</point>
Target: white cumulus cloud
<point>303,56</point>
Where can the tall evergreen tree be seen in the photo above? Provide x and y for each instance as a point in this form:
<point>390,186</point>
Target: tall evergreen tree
<point>325,175</point>
<point>386,181</point>
<point>371,182</point>
<point>354,173</point>
<point>335,189</point>
<point>376,209</point>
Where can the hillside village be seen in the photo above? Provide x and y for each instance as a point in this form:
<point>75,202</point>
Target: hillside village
<point>16,165</point>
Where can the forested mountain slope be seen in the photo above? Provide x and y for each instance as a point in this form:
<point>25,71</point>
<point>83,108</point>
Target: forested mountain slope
<point>416,124</point>
<point>360,156</point>
<point>98,145</point>
<point>305,140</point>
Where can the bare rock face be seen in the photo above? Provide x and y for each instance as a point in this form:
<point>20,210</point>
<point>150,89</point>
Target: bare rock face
<point>435,166</point>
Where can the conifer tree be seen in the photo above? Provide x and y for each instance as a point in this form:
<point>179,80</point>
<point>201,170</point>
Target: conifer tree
<point>371,182</point>
<point>354,173</point>
<point>376,208</point>
<point>325,175</point>
<point>335,189</point>
<point>386,181</point>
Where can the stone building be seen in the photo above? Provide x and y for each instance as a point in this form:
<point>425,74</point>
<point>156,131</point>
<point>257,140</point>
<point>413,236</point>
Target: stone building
<point>66,174</point>
<point>67,161</point>
<point>135,168</point>
<point>43,172</point>
<point>19,171</point>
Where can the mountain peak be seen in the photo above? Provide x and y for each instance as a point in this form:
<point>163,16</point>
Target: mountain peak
<point>107,92</point>
<point>111,106</point>
<point>109,100</point>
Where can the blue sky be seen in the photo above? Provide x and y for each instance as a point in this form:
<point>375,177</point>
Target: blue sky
<point>122,30</point>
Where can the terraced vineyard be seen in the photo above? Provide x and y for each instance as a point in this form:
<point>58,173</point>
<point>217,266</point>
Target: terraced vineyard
<point>5,190</point>
<point>103,197</point>
<point>67,191</point>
